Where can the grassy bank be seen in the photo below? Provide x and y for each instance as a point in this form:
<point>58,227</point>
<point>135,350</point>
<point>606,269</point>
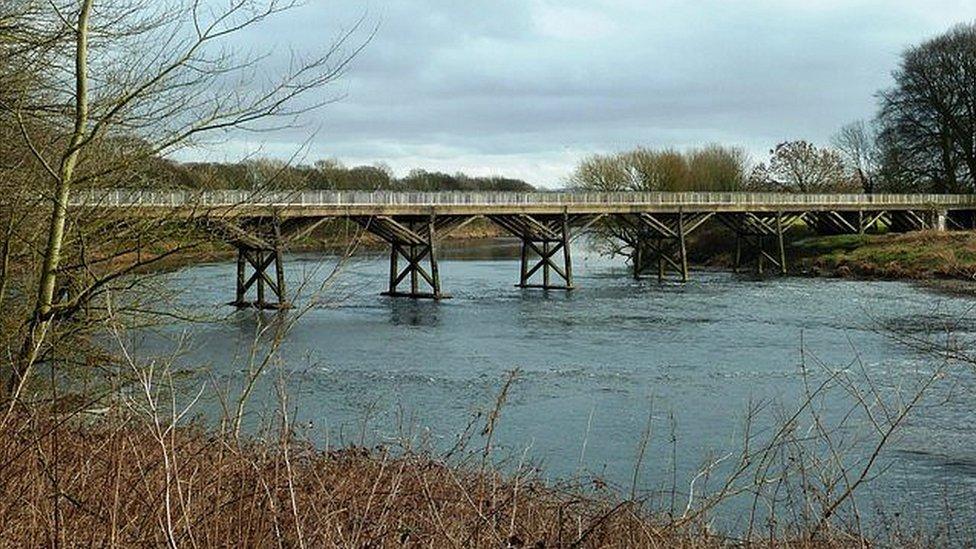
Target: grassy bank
<point>921,256</point>
<point>924,255</point>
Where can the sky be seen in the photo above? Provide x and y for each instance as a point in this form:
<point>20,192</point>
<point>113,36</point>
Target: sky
<point>528,88</point>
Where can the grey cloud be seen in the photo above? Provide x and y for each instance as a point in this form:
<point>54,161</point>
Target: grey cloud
<point>526,87</point>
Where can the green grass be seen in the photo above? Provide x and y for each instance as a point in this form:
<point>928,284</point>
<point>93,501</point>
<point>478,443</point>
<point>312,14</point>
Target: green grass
<point>918,255</point>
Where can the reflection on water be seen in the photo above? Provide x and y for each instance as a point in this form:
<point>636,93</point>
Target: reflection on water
<point>594,362</point>
<point>408,312</point>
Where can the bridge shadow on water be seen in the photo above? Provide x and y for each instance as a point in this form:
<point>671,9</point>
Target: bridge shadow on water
<point>414,312</point>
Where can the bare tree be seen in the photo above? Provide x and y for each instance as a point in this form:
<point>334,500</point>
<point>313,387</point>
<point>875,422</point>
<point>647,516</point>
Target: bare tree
<point>710,168</point>
<point>121,83</point>
<point>801,167</point>
<point>858,144</point>
<point>928,119</point>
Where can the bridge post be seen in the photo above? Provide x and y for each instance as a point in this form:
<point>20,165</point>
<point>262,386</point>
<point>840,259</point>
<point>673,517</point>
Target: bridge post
<point>661,265</point>
<point>567,256</point>
<point>782,244</point>
<point>432,250</point>
<point>259,272</point>
<point>545,264</point>
<point>682,249</point>
<point>761,255</point>
<point>279,264</point>
<point>637,258</point>
<point>738,252</point>
<point>241,266</point>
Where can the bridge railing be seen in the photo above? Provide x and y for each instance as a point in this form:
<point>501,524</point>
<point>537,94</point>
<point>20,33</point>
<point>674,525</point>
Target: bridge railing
<point>186,198</point>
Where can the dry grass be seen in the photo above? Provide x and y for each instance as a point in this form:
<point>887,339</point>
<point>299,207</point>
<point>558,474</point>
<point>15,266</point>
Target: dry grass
<point>124,482</point>
<point>115,483</point>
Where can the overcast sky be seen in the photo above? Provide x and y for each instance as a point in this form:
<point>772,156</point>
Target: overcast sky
<point>527,88</point>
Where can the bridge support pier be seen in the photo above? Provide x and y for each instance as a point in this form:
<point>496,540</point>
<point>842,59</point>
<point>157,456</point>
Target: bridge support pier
<point>753,229</point>
<point>414,254</point>
<point>658,242</point>
<point>545,249</point>
<point>260,243</point>
<point>413,239</point>
<point>260,260</point>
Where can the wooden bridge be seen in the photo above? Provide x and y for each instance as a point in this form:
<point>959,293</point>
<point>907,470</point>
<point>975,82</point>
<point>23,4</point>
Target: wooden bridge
<point>651,228</point>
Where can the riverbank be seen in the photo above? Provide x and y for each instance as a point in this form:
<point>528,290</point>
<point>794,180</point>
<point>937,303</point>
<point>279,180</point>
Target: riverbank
<point>130,480</point>
<point>920,256</point>
<point>929,257</point>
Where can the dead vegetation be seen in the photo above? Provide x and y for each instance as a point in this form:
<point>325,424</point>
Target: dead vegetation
<point>128,468</point>
<point>122,483</point>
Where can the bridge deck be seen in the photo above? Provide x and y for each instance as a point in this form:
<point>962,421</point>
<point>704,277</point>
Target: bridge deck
<point>345,203</point>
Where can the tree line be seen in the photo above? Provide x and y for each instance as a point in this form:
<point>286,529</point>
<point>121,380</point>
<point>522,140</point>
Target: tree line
<point>328,175</point>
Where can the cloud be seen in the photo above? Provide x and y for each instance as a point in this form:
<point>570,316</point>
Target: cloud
<point>525,88</point>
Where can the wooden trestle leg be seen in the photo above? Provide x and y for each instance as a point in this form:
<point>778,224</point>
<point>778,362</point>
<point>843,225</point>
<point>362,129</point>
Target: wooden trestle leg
<point>542,239</point>
<point>413,239</point>
<point>753,228</point>
<point>661,239</point>
<point>260,260</point>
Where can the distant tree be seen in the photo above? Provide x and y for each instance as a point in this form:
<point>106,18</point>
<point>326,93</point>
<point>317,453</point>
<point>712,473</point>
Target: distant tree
<point>422,180</point>
<point>602,173</point>
<point>665,170</point>
<point>858,145</point>
<point>502,184</point>
<point>371,177</point>
<point>928,118</point>
<point>710,168</point>
<point>802,167</point>
<point>718,168</point>
<point>329,173</point>
<point>269,173</point>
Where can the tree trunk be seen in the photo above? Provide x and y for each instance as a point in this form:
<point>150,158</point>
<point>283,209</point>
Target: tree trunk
<point>38,323</point>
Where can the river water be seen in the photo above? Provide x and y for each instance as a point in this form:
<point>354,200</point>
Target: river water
<point>596,363</point>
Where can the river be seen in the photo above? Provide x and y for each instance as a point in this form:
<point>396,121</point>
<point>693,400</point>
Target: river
<point>595,363</point>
